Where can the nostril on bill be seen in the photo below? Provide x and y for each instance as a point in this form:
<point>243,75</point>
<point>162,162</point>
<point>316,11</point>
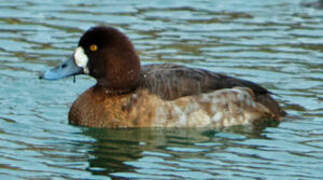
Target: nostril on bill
<point>64,65</point>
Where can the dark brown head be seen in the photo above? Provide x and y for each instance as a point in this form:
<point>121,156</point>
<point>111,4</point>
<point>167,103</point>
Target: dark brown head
<point>106,54</point>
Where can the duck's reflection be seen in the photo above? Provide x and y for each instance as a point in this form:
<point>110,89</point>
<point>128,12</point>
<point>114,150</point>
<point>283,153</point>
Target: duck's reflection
<point>115,148</point>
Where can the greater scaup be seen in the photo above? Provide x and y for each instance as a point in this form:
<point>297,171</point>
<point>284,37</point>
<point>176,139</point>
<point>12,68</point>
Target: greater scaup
<point>158,95</point>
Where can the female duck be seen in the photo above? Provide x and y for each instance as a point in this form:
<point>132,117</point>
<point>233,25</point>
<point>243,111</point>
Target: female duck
<point>160,95</point>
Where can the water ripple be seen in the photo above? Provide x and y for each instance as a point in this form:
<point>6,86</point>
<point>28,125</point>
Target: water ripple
<point>275,43</point>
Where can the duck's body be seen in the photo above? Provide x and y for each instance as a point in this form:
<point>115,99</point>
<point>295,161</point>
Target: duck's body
<point>160,95</point>
<point>171,95</point>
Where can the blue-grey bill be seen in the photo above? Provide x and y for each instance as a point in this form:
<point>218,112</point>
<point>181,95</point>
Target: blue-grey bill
<point>66,69</point>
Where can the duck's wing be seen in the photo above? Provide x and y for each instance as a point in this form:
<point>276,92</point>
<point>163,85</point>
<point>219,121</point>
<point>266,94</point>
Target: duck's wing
<point>171,81</point>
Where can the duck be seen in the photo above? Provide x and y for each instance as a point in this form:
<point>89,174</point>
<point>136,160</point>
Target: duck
<point>130,95</point>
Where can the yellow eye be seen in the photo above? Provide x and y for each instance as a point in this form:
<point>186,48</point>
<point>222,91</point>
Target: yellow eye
<point>93,47</point>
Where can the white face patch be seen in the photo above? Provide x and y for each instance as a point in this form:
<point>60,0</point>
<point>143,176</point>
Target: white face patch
<point>81,59</point>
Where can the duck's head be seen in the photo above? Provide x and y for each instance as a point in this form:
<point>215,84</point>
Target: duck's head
<point>104,53</point>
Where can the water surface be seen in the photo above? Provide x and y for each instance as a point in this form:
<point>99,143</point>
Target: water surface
<point>277,44</point>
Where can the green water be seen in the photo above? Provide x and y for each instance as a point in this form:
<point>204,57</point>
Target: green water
<point>278,44</point>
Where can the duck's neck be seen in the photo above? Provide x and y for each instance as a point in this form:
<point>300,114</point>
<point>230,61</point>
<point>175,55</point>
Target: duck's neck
<point>111,91</point>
